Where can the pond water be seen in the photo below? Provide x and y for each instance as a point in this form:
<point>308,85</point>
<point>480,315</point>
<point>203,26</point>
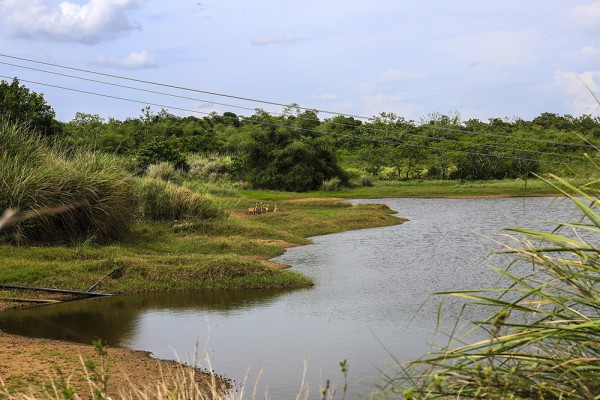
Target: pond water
<point>371,304</point>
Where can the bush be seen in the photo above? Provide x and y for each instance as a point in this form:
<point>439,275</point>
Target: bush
<point>280,159</point>
<point>210,166</point>
<point>93,190</point>
<point>164,171</point>
<point>331,185</point>
<point>366,180</point>
<point>160,201</point>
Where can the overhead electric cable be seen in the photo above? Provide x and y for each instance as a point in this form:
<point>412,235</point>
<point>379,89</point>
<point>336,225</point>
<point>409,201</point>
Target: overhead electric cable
<point>173,86</point>
<point>433,127</point>
<point>127,87</point>
<point>368,128</point>
<point>301,129</point>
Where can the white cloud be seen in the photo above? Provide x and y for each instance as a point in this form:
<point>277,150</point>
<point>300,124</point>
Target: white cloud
<point>586,16</point>
<point>89,23</point>
<point>282,39</point>
<point>576,89</point>
<point>135,60</point>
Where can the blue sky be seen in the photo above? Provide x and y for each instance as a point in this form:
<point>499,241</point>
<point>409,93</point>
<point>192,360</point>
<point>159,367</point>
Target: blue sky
<point>482,59</point>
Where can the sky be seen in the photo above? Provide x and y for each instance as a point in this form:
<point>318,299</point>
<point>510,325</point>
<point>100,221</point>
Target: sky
<point>476,58</point>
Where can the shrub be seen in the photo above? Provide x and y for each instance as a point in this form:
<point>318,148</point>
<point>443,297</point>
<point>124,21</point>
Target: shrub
<point>210,166</point>
<point>94,190</point>
<point>366,180</point>
<point>160,200</point>
<point>164,171</point>
<point>280,159</point>
<point>332,185</point>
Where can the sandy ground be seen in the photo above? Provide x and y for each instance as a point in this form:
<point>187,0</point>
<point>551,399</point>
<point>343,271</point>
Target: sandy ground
<point>27,365</point>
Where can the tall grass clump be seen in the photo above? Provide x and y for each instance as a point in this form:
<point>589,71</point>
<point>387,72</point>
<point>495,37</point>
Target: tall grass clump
<point>163,170</point>
<point>543,335</point>
<point>219,189</point>
<point>331,185</point>
<point>92,190</point>
<point>366,180</point>
<point>161,201</point>
<point>210,166</point>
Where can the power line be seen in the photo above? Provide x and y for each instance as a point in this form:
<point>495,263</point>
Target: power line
<point>302,129</point>
<point>127,87</point>
<point>175,86</point>
<point>433,127</point>
<point>368,128</point>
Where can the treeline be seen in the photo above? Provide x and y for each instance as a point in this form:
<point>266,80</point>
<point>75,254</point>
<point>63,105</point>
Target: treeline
<point>297,151</point>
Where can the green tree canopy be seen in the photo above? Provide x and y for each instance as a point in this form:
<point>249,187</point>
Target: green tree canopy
<point>19,104</point>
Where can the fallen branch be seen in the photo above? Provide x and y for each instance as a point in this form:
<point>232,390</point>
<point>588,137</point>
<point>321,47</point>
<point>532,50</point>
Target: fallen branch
<point>90,294</point>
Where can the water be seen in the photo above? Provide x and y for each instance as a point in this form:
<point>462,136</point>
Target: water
<point>370,285</point>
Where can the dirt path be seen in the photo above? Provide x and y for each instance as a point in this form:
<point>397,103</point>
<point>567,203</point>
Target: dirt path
<point>27,364</point>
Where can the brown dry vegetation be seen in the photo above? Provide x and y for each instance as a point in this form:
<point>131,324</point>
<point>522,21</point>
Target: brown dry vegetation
<point>30,365</point>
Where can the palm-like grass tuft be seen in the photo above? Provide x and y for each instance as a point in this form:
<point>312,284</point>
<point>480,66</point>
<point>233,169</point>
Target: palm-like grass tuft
<point>544,334</point>
<point>93,190</point>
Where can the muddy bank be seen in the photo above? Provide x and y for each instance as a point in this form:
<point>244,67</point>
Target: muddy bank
<point>28,365</point>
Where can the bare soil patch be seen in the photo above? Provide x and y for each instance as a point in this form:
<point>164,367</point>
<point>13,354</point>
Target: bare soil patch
<point>28,365</point>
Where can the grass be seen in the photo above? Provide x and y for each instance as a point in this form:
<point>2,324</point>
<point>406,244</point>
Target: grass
<point>161,200</point>
<point>543,333</point>
<point>418,188</point>
<point>93,189</point>
<point>222,253</point>
<point>163,170</point>
<point>331,185</point>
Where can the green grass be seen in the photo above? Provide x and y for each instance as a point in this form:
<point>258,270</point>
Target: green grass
<point>161,200</point>
<point>418,188</point>
<point>222,253</point>
<point>93,190</point>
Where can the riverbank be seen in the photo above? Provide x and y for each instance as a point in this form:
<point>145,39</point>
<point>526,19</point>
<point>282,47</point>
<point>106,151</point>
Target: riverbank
<point>229,253</point>
<point>217,254</point>
<point>31,366</point>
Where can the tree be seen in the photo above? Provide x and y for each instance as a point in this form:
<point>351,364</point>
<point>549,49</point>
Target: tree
<point>19,104</point>
<point>158,150</point>
<point>85,129</point>
<point>277,155</point>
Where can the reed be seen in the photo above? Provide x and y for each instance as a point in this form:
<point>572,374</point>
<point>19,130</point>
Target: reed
<point>331,185</point>
<point>366,180</point>
<point>164,171</point>
<point>544,332</point>
<point>160,201</point>
<point>94,189</point>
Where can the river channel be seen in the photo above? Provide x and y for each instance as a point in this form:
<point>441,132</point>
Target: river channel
<point>371,304</point>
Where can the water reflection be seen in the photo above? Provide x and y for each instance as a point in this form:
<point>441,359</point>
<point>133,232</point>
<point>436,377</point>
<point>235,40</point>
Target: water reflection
<point>116,319</point>
<point>372,298</point>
